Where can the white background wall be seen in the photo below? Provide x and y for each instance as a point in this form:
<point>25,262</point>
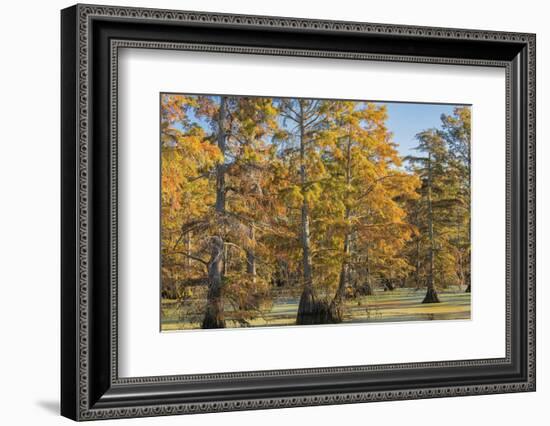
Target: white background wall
<point>29,212</point>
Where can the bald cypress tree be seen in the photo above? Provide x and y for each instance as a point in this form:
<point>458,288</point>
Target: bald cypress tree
<point>361,193</point>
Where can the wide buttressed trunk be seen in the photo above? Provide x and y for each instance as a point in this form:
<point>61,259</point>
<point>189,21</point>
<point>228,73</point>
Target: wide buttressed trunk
<point>431,296</point>
<point>312,311</point>
<point>364,289</point>
<point>336,307</point>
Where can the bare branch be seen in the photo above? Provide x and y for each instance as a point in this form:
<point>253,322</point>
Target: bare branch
<point>227,243</point>
<point>190,256</point>
<point>371,188</point>
<point>201,176</point>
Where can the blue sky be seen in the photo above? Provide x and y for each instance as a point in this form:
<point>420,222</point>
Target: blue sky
<point>405,120</point>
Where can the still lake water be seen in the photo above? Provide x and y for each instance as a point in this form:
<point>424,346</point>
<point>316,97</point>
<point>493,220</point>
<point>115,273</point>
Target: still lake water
<point>403,304</point>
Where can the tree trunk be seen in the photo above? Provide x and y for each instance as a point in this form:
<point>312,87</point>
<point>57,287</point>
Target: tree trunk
<point>417,252</point>
<point>337,305</point>
<point>431,294</point>
<point>367,288</point>
<point>308,308</point>
<point>214,312</point>
<point>388,285</point>
<point>251,257</point>
<point>336,309</point>
<point>460,256</point>
<point>468,273</point>
<point>188,250</point>
<point>214,315</point>
<point>225,259</point>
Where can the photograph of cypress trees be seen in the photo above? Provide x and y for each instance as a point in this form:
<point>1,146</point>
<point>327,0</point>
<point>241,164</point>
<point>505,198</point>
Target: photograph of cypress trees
<point>294,211</point>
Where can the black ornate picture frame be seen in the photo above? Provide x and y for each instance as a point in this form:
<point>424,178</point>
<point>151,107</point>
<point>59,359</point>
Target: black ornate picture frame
<point>91,37</point>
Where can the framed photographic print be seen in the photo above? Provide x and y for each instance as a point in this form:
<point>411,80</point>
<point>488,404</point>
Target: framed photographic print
<point>263,212</point>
